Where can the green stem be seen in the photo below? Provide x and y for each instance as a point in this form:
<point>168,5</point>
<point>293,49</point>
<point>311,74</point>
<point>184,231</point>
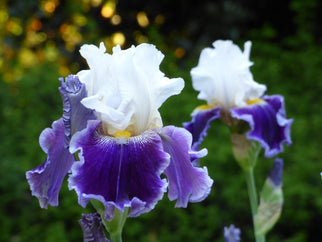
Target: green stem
<point>114,227</point>
<point>117,237</point>
<point>251,187</point>
<point>246,153</point>
<point>252,193</point>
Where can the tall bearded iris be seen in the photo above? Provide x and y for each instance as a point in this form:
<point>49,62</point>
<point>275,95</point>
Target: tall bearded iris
<point>255,120</point>
<point>224,80</point>
<point>112,124</point>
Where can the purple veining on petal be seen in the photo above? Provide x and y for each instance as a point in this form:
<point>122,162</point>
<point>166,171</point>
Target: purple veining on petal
<point>186,182</point>
<point>117,173</point>
<point>75,115</point>
<point>46,180</point>
<point>268,123</point>
<point>232,234</point>
<point>275,174</point>
<point>92,227</point>
<point>200,123</point>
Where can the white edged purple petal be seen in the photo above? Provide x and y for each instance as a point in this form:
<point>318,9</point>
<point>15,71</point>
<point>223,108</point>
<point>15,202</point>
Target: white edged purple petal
<point>200,123</point>
<point>268,123</point>
<point>186,182</point>
<point>45,181</point>
<point>75,115</point>
<point>117,172</point>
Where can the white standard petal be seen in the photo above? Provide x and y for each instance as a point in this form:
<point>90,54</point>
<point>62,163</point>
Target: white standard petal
<point>127,87</point>
<point>223,77</point>
<point>97,61</point>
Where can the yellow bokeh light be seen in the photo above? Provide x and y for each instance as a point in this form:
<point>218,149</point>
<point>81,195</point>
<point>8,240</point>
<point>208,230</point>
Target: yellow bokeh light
<point>71,35</point>
<point>63,70</point>
<point>51,53</point>
<point>3,16</point>
<point>116,19</point>
<point>96,3</point>
<point>118,38</point>
<point>139,37</point>
<point>27,58</point>
<point>50,7</point>
<point>142,19</point>
<point>79,19</point>
<point>33,38</point>
<point>108,10</point>
<point>108,42</point>
<point>179,52</point>
<point>86,5</point>
<point>159,19</point>
<point>14,26</point>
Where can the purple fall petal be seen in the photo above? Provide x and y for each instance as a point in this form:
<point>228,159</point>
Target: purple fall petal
<point>200,123</point>
<point>268,123</point>
<point>92,227</point>
<point>75,115</point>
<point>46,180</point>
<point>118,173</point>
<point>186,182</point>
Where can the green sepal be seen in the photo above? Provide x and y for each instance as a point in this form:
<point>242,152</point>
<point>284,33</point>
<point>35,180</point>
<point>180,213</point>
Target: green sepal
<point>245,151</point>
<point>270,207</point>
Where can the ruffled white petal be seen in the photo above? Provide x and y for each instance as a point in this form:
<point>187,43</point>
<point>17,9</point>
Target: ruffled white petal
<point>223,76</point>
<point>167,88</point>
<point>127,88</point>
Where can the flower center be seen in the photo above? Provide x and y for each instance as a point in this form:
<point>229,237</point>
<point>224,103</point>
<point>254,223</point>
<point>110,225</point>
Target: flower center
<point>203,107</point>
<point>255,101</point>
<point>122,136</point>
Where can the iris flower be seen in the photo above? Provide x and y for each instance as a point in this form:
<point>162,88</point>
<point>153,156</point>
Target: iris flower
<point>112,124</point>
<point>224,80</point>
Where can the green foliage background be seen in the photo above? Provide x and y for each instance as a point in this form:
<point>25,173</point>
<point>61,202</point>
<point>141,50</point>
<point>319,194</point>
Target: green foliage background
<point>287,56</point>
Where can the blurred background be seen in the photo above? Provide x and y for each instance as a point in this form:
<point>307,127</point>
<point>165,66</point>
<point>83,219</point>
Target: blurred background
<point>39,42</point>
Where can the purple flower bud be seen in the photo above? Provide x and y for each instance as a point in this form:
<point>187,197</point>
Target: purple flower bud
<point>92,227</point>
<point>275,174</point>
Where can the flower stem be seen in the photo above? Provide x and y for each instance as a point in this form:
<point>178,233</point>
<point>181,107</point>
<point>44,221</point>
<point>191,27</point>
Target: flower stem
<point>251,187</point>
<point>246,154</point>
<point>252,193</point>
<point>114,227</point>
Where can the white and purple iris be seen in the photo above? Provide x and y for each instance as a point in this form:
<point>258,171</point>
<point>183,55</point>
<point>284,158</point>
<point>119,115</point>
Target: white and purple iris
<point>111,121</point>
<point>224,80</point>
